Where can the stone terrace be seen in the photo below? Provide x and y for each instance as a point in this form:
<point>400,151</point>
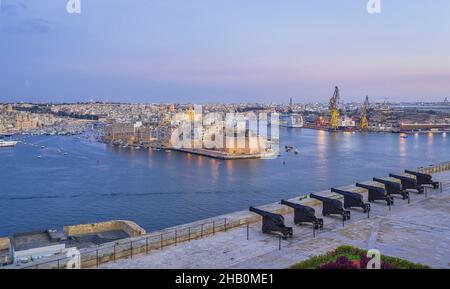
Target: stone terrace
<point>419,232</point>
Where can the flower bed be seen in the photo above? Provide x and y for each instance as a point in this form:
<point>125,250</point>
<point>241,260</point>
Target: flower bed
<point>348,257</point>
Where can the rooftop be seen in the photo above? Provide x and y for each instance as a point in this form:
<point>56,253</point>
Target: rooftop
<point>30,240</point>
<point>37,239</point>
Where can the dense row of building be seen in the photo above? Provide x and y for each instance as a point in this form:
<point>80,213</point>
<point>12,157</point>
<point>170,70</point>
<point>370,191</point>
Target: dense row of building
<point>154,123</point>
<point>12,120</point>
<point>187,130</point>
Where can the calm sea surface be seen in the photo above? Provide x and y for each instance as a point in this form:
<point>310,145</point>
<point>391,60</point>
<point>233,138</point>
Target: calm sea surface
<point>96,182</point>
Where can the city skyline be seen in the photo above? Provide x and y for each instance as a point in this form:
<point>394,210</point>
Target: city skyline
<point>196,51</point>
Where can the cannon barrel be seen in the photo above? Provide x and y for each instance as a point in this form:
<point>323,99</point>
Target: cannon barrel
<point>333,202</point>
<point>292,205</point>
<point>345,193</point>
<point>405,178</point>
<point>418,174</point>
<point>377,193</point>
<point>289,204</point>
<point>409,182</point>
<point>332,206</point>
<point>273,222</point>
<point>352,199</point>
<point>296,206</point>
<point>348,194</point>
<point>320,198</point>
<point>394,188</point>
<point>369,187</point>
<point>382,181</point>
<point>264,213</point>
<point>304,214</point>
<point>423,179</point>
<point>386,182</point>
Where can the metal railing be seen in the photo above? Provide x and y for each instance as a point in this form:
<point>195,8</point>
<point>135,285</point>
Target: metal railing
<point>130,247</point>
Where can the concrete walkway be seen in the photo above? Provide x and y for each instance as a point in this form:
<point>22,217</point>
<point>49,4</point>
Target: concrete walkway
<point>419,232</point>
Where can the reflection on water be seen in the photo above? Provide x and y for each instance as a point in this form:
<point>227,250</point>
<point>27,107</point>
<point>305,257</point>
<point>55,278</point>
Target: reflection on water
<point>229,167</point>
<point>96,182</point>
<point>322,142</point>
<point>214,170</point>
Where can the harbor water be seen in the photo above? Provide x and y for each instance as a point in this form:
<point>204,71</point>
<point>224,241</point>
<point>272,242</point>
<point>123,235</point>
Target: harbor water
<point>47,182</point>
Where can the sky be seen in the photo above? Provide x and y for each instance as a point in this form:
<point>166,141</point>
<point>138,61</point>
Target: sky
<point>224,50</point>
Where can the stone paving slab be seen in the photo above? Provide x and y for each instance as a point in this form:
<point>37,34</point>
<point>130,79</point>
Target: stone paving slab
<point>419,232</point>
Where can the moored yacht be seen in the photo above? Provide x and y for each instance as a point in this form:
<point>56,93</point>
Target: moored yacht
<point>8,143</point>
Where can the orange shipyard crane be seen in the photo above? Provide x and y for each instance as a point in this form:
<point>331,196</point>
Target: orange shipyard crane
<point>364,108</point>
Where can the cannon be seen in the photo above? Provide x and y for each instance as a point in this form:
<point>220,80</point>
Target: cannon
<point>273,223</point>
<point>377,193</point>
<point>332,207</point>
<point>393,188</point>
<point>352,199</point>
<point>408,183</point>
<point>423,179</point>
<point>304,214</point>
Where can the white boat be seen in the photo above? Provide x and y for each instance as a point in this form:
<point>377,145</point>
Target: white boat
<point>8,143</point>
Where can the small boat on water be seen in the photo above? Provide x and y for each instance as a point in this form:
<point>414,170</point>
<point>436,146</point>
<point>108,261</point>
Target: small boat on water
<point>39,156</point>
<point>296,151</point>
<point>288,148</point>
<point>168,151</point>
<point>8,143</point>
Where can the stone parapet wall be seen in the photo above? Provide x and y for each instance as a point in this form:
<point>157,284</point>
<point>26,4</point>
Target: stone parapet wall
<point>129,227</point>
<point>434,169</point>
<point>4,243</point>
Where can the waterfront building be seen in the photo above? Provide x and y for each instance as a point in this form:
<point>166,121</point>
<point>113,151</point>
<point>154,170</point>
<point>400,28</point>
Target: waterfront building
<point>292,120</point>
<point>120,132</point>
<point>346,122</point>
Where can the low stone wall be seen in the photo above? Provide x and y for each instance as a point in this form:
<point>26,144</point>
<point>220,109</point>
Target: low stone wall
<point>4,244</point>
<point>126,248</point>
<point>129,227</point>
<point>434,169</point>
